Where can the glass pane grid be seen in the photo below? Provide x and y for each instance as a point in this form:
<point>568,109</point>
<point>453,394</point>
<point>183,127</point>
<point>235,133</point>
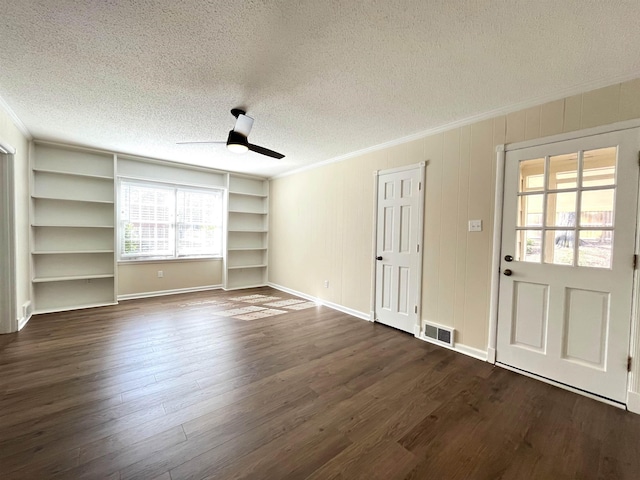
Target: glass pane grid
<point>566,209</point>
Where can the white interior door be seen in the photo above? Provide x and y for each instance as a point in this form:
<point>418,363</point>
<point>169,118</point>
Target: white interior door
<point>398,239</point>
<point>568,243</point>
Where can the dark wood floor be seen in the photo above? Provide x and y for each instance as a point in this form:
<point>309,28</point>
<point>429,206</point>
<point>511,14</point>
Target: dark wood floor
<point>167,388</point>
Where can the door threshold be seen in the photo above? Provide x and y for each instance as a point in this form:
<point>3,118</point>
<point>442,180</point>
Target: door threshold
<point>564,386</point>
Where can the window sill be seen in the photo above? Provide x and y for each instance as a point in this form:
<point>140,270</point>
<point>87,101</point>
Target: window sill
<point>168,260</point>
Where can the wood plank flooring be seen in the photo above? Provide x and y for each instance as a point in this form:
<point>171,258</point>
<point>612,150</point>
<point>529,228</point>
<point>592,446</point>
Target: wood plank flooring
<point>173,388</point>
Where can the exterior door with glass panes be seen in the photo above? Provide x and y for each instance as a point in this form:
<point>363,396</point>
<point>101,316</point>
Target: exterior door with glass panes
<point>568,243</point>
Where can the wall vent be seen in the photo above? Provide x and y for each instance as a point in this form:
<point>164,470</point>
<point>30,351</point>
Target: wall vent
<point>438,334</point>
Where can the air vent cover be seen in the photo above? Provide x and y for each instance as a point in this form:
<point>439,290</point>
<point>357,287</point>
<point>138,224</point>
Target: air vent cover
<point>438,334</point>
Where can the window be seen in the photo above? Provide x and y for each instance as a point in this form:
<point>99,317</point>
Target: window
<point>168,221</point>
<point>566,208</point>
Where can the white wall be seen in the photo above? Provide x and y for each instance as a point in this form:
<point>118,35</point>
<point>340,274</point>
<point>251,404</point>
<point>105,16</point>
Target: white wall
<point>141,279</point>
<point>10,134</point>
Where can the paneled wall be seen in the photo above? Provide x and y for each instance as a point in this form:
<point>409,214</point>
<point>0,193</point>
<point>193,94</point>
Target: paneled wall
<point>322,219</point>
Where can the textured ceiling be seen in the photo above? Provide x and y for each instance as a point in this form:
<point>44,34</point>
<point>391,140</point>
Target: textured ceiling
<point>321,78</point>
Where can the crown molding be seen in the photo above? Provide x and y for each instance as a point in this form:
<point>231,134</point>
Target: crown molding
<point>16,120</point>
<point>514,107</point>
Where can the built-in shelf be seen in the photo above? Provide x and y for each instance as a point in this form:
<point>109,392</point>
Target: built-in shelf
<point>63,252</point>
<point>73,174</point>
<point>69,226</point>
<point>248,194</point>
<point>73,307</point>
<point>58,199</point>
<point>247,232</point>
<point>236,267</point>
<point>73,215</point>
<point>68,278</point>
<point>247,212</point>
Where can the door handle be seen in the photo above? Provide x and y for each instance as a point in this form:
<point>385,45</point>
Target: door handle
<point>507,272</point>
<point>378,258</point>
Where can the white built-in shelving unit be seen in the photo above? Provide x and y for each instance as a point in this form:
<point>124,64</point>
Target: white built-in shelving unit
<point>247,232</point>
<point>72,222</point>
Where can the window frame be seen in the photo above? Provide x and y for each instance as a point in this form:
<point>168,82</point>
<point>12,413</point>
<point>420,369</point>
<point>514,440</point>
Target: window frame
<point>176,187</point>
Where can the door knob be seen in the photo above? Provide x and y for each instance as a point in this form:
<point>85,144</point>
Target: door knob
<point>507,272</point>
<point>378,258</point>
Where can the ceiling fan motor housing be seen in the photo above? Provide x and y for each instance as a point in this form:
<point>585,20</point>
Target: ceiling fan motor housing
<point>236,142</point>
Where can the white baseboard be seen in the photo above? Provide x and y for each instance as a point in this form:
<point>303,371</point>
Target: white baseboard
<point>27,313</point>
<point>244,287</point>
<point>458,347</point>
<point>335,306</point>
<point>633,402</point>
<point>23,321</point>
<point>491,355</point>
<point>160,293</point>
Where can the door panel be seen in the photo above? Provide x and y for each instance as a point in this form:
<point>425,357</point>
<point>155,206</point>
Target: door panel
<point>397,242</point>
<point>405,229</point>
<point>530,315</point>
<point>569,218</point>
<point>585,327</point>
<point>386,286</point>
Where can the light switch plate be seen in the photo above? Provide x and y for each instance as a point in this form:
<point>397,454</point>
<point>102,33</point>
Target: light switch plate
<point>475,225</point>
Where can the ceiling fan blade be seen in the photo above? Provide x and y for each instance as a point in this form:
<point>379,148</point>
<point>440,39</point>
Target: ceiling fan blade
<point>194,143</point>
<point>265,151</point>
<point>243,125</point>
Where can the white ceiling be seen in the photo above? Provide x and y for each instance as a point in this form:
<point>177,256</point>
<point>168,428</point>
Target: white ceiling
<point>321,78</point>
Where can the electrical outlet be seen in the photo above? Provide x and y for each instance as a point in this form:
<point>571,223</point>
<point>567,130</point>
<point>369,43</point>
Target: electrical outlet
<point>160,274</point>
<point>475,225</point>
<point>326,284</point>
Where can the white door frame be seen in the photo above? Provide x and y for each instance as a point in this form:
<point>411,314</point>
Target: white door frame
<point>501,150</point>
<point>421,195</point>
<point>8,317</point>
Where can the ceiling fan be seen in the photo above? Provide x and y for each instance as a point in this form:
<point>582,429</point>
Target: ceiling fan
<point>237,141</point>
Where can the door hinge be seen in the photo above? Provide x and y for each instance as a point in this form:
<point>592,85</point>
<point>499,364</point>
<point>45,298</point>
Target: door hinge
<point>629,363</point>
<point>635,261</point>
<point>418,248</point>
<point>420,184</point>
<point>415,309</point>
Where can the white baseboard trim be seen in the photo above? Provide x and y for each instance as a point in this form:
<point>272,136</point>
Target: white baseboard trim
<point>160,293</point>
<point>633,402</point>
<point>335,306</point>
<point>562,386</point>
<point>491,355</point>
<point>458,347</point>
<point>23,321</point>
<point>244,287</point>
